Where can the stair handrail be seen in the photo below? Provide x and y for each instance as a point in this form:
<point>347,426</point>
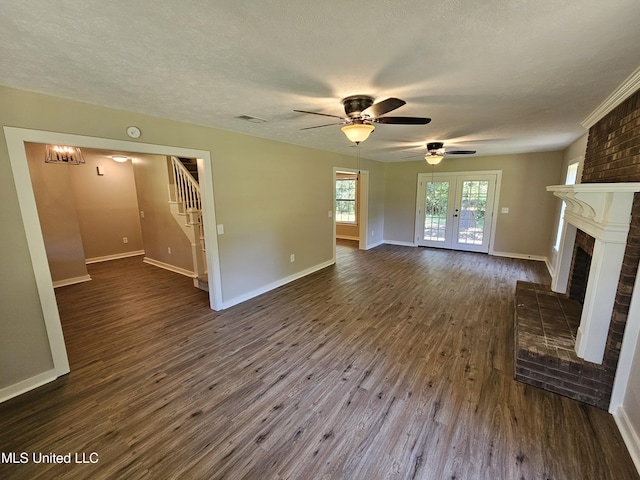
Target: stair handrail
<point>187,189</point>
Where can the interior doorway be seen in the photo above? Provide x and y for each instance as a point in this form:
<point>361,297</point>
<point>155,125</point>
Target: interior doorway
<point>363,205</point>
<point>16,139</point>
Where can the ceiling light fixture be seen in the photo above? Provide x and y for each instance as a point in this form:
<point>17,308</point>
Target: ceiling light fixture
<point>119,158</point>
<point>63,154</point>
<point>433,159</point>
<point>358,132</point>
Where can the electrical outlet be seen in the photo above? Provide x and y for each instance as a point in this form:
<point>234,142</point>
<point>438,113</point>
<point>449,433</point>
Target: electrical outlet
<point>141,213</point>
<point>169,250</point>
<point>220,228</point>
<point>125,240</point>
<point>292,257</point>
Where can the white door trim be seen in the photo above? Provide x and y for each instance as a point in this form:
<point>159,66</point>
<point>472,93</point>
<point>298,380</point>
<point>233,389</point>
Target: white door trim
<point>496,200</point>
<point>16,138</point>
<point>363,218</point>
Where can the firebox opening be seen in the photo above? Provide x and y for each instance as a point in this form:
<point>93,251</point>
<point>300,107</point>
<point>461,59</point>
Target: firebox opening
<point>579,275</point>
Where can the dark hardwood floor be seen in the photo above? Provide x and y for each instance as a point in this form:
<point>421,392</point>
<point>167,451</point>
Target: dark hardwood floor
<point>394,363</point>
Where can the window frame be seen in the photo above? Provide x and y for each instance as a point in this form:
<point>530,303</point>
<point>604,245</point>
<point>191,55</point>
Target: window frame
<point>347,178</point>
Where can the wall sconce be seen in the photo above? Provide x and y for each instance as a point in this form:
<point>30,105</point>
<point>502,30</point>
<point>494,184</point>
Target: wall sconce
<point>119,158</point>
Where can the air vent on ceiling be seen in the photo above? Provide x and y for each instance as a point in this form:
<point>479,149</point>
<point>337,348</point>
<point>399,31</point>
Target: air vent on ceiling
<point>251,119</point>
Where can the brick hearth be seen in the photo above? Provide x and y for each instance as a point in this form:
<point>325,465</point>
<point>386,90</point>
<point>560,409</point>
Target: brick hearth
<point>545,328</point>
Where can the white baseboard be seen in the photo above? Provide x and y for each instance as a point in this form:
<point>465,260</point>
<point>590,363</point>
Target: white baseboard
<point>401,244</point>
<point>274,285</point>
<point>374,245</point>
<point>630,436</point>
<point>549,267</point>
<point>71,281</point>
<point>24,386</point>
<point>115,256</point>
<point>171,268</point>
<point>347,237</point>
<point>520,256</point>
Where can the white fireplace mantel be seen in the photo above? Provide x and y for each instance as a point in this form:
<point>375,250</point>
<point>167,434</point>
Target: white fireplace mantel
<point>603,211</point>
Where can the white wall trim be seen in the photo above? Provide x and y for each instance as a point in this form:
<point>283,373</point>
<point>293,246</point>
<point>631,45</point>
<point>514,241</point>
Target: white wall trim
<point>273,285</point>
<point>24,386</point>
<point>550,268</point>
<point>374,245</point>
<point>619,95</point>
<point>630,436</point>
<point>521,256</point>
<point>115,256</point>
<point>171,268</point>
<point>71,281</point>
<point>15,138</point>
<point>401,244</point>
<point>627,353</point>
<point>363,216</point>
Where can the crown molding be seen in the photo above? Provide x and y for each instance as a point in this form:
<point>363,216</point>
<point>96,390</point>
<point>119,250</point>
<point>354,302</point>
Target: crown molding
<point>629,86</point>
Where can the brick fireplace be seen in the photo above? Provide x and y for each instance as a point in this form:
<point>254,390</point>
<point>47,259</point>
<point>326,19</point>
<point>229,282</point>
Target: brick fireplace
<point>581,362</point>
<point>560,344</point>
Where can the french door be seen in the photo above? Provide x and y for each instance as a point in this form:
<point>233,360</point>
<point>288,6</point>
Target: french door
<point>455,210</point>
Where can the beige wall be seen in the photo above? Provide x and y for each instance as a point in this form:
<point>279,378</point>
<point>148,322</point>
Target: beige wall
<point>160,230</point>
<point>84,215</point>
<point>107,206</point>
<point>54,195</point>
<point>527,228</point>
<point>272,198</point>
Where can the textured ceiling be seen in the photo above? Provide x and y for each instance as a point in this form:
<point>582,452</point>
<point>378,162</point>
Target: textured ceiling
<point>497,76</point>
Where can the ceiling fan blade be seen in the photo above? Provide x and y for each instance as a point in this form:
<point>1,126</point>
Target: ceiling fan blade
<point>385,106</point>
<point>325,125</point>
<point>461,152</point>
<point>316,113</point>
<point>403,120</point>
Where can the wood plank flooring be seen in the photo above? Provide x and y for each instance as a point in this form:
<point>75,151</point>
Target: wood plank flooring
<point>395,363</point>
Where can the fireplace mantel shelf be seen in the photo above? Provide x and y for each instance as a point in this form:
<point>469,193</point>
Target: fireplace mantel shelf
<point>602,210</point>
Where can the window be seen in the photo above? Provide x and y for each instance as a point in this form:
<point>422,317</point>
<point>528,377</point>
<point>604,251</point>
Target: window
<point>572,175</point>
<point>346,208</point>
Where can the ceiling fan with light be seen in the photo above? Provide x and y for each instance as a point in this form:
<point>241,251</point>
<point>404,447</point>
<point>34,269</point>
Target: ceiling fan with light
<point>362,113</point>
<point>436,152</point>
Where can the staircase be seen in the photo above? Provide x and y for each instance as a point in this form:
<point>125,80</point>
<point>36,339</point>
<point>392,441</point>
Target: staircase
<point>185,205</point>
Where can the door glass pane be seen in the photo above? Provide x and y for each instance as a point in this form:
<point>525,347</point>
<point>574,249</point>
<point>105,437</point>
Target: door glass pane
<point>435,212</point>
<point>472,209</point>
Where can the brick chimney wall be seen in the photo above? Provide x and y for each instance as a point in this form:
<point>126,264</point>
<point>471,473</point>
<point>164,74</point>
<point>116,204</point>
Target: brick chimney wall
<point>613,155</point>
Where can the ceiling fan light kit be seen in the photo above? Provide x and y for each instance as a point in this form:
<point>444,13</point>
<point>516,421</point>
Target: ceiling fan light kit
<point>433,159</point>
<point>362,113</point>
<point>436,152</point>
<point>358,132</point>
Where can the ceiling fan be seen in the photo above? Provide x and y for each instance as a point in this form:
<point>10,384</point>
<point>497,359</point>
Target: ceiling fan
<point>362,113</point>
<point>436,152</point>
